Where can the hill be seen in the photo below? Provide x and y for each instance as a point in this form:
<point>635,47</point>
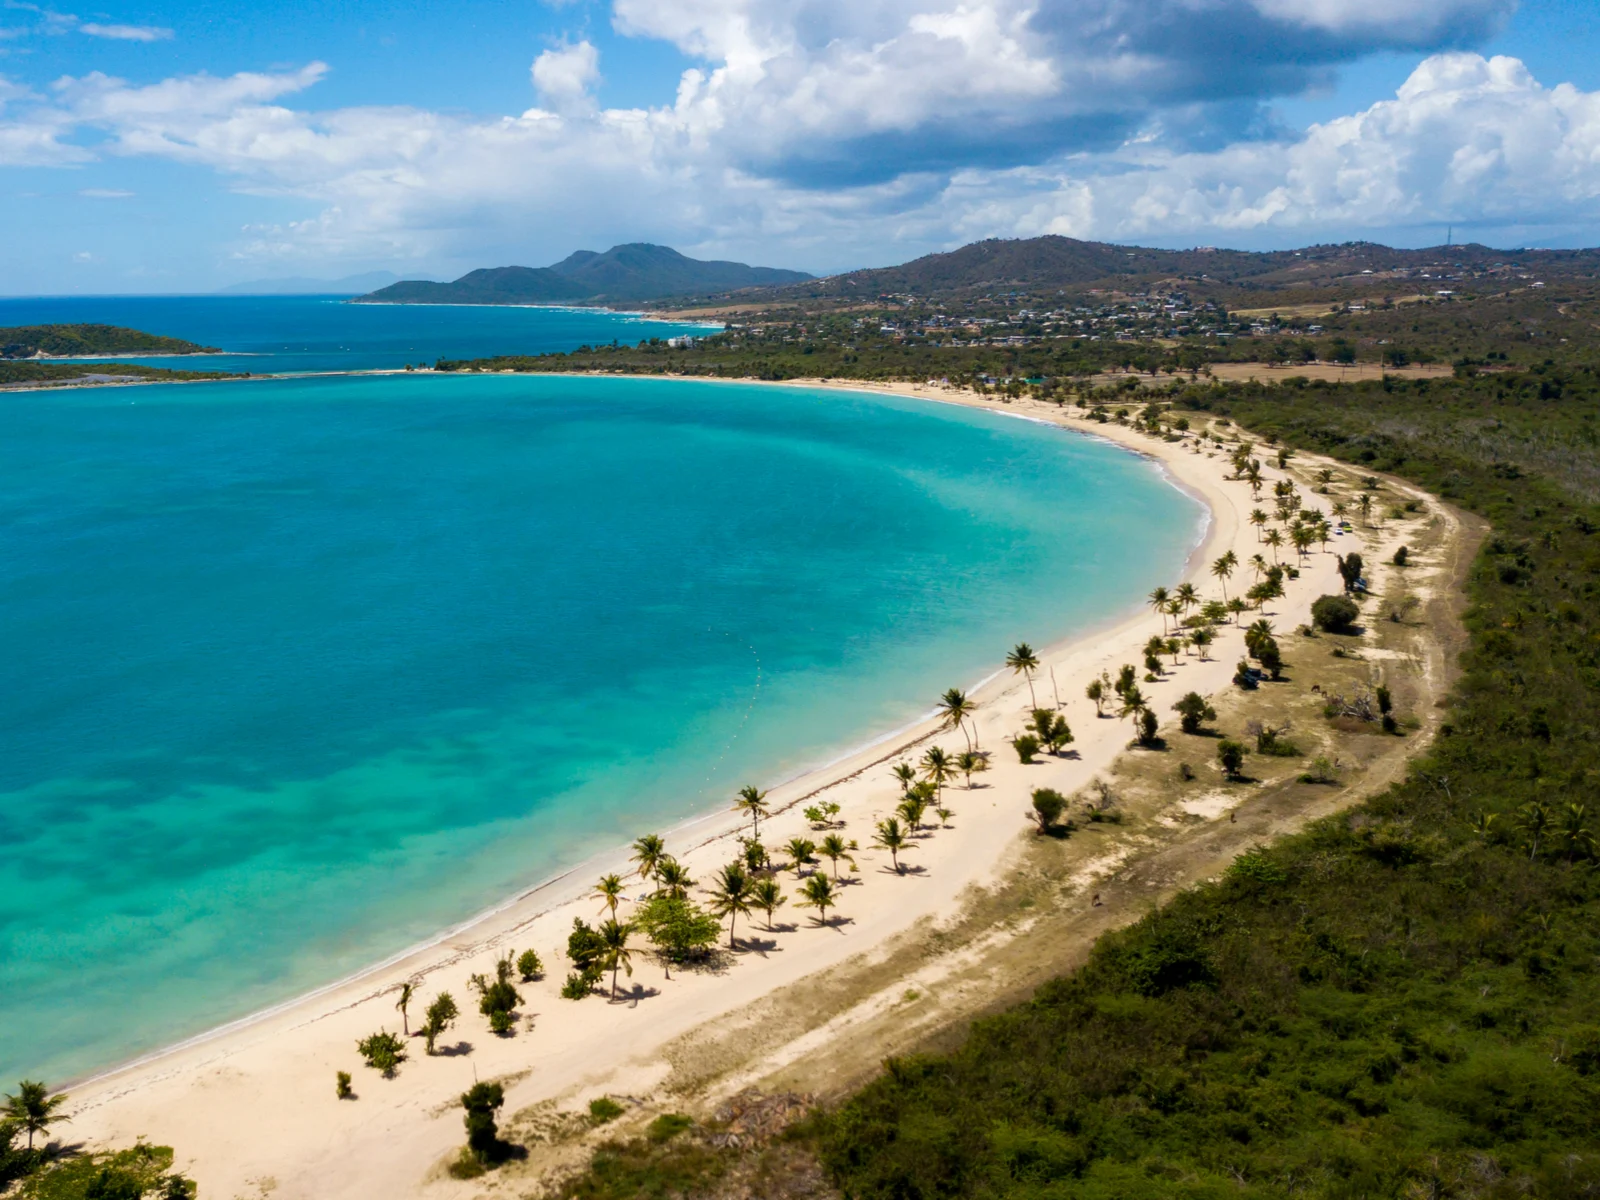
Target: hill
<point>73,341</point>
<point>1045,266</point>
<point>631,273</point>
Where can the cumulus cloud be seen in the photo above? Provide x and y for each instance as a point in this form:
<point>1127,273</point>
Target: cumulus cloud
<point>843,92</point>
<point>564,76</point>
<point>881,128</point>
<point>1466,139</point>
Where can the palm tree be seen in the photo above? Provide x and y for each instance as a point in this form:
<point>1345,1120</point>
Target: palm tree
<point>1324,532</point>
<point>906,774</point>
<point>801,851</point>
<point>1253,477</point>
<point>673,878</point>
<point>33,1108</point>
<point>730,895</point>
<point>609,889</point>
<point>1258,564</point>
<point>1259,520</point>
<point>616,955</point>
<point>1274,539</point>
<point>1366,509</point>
<point>1238,608</point>
<point>1133,703</point>
<point>649,852</point>
<point>969,763</point>
<point>1575,831</point>
<point>891,837</point>
<point>912,808</point>
<point>1158,601</point>
<point>407,990</point>
<point>1202,638</point>
<point>833,847</point>
<point>819,894</point>
<point>956,710</point>
<point>1302,536</point>
<point>1222,569</point>
<point>1340,508</point>
<point>1186,596</point>
<point>753,802</point>
<point>1023,661</point>
<point>936,765</point>
<point>768,897</point>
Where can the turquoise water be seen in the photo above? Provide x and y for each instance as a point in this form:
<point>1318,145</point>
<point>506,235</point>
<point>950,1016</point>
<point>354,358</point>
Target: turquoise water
<point>299,672</point>
<point>278,334</point>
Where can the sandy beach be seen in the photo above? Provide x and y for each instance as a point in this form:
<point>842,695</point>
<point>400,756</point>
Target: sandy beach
<point>251,1109</point>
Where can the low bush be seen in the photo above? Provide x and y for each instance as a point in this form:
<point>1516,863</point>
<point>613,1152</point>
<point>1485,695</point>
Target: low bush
<point>1336,614</point>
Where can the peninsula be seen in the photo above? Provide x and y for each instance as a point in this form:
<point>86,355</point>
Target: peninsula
<point>89,341</point>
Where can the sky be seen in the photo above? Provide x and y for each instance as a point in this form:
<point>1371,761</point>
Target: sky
<point>161,146</point>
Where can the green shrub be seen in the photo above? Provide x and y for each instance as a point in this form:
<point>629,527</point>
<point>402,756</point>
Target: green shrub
<point>1336,614</point>
<point>603,1109</point>
<point>668,1126</point>
<point>383,1051</point>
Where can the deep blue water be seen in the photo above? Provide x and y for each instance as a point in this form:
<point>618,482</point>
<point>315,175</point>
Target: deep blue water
<point>298,672</point>
<point>278,334</point>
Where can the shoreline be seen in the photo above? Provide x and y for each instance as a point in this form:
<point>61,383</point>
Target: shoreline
<point>174,1095</point>
<point>819,773</point>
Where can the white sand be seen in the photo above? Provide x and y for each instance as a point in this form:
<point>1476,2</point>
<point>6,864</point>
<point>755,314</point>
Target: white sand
<point>251,1109</point>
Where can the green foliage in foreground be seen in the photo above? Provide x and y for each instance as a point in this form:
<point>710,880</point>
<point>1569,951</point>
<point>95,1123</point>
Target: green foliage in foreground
<point>141,1171</point>
<point>1403,1001</point>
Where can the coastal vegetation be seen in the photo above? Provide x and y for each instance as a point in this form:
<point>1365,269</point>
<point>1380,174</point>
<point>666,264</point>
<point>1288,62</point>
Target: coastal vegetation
<point>1399,1001</point>
<point>33,373</point>
<point>76,341</point>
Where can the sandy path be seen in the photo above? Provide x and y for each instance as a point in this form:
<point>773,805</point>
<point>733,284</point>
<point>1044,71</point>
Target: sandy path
<point>252,1110</point>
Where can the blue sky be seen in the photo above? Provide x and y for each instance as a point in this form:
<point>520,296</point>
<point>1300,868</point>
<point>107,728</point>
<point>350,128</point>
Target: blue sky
<point>166,147</point>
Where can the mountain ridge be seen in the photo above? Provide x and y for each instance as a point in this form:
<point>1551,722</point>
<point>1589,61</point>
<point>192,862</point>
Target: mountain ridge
<point>634,272</point>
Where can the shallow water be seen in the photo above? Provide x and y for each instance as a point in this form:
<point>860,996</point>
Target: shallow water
<point>299,672</point>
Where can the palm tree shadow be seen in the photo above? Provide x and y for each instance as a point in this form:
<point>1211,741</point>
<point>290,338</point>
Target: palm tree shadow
<point>761,946</point>
<point>632,994</point>
<point>906,869</point>
<point>784,928</point>
<point>456,1051</point>
<point>835,922</point>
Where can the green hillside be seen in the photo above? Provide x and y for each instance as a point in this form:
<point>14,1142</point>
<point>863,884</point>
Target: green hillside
<point>631,273</point>
<point>65,341</point>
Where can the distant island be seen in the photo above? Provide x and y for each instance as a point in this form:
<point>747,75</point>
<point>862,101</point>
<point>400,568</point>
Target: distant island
<point>79,341</point>
<point>627,274</point>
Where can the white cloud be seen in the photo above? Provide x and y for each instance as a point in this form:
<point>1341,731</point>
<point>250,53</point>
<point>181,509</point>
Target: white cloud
<point>564,76</point>
<point>826,132</point>
<point>127,33</point>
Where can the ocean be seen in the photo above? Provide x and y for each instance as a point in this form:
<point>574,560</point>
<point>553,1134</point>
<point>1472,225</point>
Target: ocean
<point>281,334</point>
<point>300,672</point>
